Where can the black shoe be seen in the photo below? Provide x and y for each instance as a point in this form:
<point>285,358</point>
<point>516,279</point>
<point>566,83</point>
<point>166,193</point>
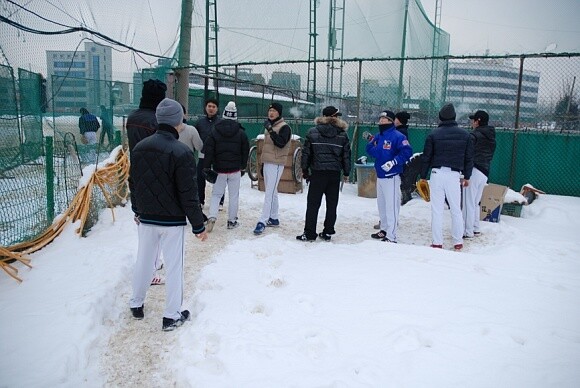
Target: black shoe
<point>324,236</point>
<point>172,324</point>
<point>303,237</point>
<point>381,234</point>
<point>388,240</point>
<point>138,312</point>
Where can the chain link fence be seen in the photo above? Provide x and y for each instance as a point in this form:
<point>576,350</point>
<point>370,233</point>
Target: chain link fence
<point>532,101</point>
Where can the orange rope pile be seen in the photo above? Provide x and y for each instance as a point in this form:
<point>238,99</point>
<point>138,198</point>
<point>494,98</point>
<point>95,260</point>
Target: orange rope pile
<point>112,175</point>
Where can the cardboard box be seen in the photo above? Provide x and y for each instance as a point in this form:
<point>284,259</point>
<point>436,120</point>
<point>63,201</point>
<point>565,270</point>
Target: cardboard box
<point>492,202</point>
<point>512,209</point>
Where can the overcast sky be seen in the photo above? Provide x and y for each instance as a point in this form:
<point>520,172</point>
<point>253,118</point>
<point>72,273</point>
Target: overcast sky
<point>509,26</point>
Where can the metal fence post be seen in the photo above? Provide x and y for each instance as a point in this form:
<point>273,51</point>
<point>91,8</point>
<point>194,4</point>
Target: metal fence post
<point>49,159</point>
<point>517,122</point>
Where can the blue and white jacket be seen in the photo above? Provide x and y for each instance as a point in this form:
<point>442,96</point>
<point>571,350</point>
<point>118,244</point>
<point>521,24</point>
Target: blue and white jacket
<point>389,144</point>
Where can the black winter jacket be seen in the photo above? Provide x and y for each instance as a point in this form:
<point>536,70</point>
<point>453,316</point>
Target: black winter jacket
<point>141,123</point>
<point>205,125</point>
<point>327,146</point>
<point>163,181</point>
<point>483,138</point>
<point>448,146</point>
<point>404,129</point>
<point>226,148</point>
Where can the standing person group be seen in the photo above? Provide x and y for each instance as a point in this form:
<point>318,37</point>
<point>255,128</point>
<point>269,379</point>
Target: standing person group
<point>483,138</point>
<point>325,155</point>
<point>226,150</point>
<point>448,152</point>
<point>391,150</point>
<point>277,135</point>
<point>163,196</point>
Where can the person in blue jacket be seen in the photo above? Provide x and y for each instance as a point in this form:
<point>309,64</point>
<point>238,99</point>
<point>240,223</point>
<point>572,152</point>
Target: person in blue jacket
<point>391,150</point>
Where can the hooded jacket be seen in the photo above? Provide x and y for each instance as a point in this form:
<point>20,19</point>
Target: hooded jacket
<point>483,138</point>
<point>327,146</point>
<point>162,181</point>
<point>226,148</point>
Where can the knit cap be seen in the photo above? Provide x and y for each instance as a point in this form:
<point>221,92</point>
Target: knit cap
<point>169,112</point>
<point>152,93</point>
<point>447,112</point>
<point>230,111</point>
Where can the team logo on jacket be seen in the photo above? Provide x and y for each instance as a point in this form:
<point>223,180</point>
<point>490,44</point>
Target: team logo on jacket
<point>386,145</point>
<point>405,142</point>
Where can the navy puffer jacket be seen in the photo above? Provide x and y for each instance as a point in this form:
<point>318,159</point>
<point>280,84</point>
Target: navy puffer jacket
<point>448,146</point>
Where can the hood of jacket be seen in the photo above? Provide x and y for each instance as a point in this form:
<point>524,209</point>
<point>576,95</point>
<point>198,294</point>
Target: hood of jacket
<point>227,128</point>
<point>487,131</point>
<point>330,126</point>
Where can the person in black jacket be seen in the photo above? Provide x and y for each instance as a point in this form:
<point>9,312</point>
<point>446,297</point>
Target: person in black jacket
<point>88,126</point>
<point>483,137</point>
<point>204,126</point>
<point>163,196</point>
<point>325,153</point>
<point>226,150</point>
<point>448,152</point>
<point>142,123</point>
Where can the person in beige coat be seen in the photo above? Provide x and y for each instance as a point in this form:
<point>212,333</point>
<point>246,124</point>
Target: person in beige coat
<point>277,135</point>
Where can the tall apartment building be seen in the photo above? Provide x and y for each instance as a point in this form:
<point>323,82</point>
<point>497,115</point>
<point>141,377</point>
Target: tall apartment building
<point>492,85</point>
<point>80,79</point>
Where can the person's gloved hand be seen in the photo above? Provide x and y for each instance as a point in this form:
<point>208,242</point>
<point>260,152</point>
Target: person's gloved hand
<point>306,176</point>
<point>390,164</point>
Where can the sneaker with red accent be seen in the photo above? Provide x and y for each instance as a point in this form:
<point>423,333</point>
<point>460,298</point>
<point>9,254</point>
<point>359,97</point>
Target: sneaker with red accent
<point>436,246</point>
<point>458,247</point>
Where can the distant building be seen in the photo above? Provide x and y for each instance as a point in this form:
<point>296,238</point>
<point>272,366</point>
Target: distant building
<point>286,80</point>
<point>246,79</point>
<point>80,79</point>
<point>492,85</point>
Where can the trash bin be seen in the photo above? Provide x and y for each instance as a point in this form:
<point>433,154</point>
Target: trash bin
<point>366,180</point>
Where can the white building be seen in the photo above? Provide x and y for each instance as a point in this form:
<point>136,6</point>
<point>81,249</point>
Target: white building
<point>492,85</point>
<point>79,79</point>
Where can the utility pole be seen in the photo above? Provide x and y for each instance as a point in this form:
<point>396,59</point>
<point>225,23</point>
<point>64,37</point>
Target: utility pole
<point>434,62</point>
<point>402,64</point>
<point>182,72</point>
<point>334,45</point>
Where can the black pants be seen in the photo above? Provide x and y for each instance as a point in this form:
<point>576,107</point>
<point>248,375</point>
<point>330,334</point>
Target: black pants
<point>327,183</point>
<point>200,181</point>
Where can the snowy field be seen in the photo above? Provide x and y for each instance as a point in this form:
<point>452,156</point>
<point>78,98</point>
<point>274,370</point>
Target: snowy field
<point>270,311</point>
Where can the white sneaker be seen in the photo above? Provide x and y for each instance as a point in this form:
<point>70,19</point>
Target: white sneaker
<point>210,224</point>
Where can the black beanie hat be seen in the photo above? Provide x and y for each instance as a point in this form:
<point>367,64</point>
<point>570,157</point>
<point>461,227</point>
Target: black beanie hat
<point>277,107</point>
<point>447,112</point>
<point>403,117</point>
<point>152,94</point>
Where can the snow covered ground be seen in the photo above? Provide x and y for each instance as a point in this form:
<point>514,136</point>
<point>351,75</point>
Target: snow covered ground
<point>270,311</point>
